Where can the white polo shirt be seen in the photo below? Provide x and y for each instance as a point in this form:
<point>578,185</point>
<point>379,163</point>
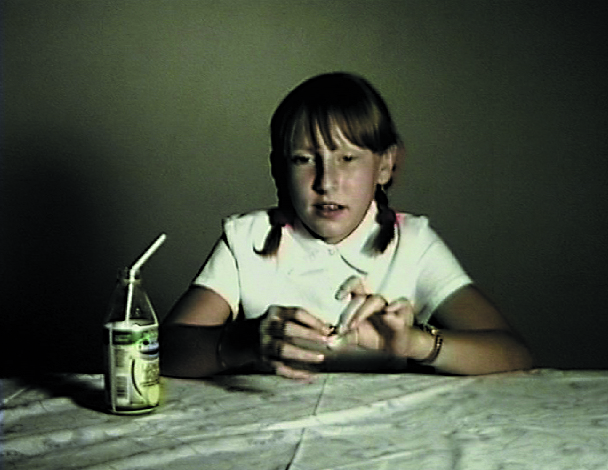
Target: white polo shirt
<point>307,272</point>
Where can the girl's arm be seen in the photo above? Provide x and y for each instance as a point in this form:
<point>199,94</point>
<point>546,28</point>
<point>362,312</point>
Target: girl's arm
<point>476,337</point>
<point>199,338</point>
<point>190,336</point>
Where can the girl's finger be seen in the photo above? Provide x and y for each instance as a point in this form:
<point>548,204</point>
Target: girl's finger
<point>355,303</point>
<point>284,370</point>
<point>395,316</point>
<point>272,349</point>
<point>278,318</point>
<point>400,304</point>
<point>305,318</point>
<point>373,304</point>
<point>296,331</point>
<point>352,286</point>
<point>294,353</point>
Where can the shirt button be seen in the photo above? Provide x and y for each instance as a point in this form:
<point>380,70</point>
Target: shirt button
<point>331,251</point>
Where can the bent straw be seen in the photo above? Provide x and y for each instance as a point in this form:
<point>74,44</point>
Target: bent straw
<point>135,268</point>
<point>149,252</point>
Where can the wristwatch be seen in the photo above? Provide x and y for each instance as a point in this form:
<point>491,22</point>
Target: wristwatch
<point>436,344</point>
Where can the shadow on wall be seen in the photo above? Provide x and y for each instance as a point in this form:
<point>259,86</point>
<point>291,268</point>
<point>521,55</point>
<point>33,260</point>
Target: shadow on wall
<point>53,267</point>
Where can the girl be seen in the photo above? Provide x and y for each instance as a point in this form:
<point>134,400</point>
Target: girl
<point>279,281</point>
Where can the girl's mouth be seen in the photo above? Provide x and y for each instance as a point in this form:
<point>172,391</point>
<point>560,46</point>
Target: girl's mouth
<point>329,209</point>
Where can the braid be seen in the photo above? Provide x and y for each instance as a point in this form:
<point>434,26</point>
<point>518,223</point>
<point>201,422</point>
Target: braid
<point>387,218</point>
<point>278,218</point>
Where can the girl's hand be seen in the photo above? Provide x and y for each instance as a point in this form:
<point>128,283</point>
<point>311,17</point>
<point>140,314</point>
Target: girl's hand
<point>292,341</point>
<point>386,327</point>
<point>383,326</point>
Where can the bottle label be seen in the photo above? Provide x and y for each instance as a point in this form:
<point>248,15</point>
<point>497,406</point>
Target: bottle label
<point>132,367</point>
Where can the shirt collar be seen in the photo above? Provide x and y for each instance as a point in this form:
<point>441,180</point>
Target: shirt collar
<point>354,249</point>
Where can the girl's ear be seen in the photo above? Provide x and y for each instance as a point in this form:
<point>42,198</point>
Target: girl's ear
<point>388,160</point>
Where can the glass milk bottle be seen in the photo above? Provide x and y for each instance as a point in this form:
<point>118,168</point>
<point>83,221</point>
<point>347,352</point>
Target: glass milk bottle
<point>131,349</point>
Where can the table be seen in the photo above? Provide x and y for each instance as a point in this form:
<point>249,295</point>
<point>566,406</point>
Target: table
<point>541,419</point>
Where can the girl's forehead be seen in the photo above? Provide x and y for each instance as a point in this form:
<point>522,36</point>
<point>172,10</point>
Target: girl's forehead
<point>305,139</point>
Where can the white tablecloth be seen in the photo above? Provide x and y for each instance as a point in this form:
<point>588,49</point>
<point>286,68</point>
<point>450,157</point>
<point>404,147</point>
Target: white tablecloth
<point>544,419</point>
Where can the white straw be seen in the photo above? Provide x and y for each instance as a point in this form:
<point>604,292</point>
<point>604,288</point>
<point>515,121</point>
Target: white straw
<point>135,268</point>
<point>129,305</point>
<point>149,252</point>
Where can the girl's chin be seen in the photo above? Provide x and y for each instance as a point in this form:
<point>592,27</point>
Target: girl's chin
<point>329,235</point>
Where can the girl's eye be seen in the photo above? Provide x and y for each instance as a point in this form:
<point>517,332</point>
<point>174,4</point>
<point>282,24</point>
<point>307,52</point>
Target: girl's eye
<point>300,159</point>
<point>349,158</point>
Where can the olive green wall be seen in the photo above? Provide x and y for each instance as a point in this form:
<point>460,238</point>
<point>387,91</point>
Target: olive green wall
<point>125,119</point>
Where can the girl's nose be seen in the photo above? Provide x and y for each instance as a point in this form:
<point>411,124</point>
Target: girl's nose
<point>326,178</point>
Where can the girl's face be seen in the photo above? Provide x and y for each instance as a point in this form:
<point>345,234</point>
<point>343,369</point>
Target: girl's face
<point>332,189</point>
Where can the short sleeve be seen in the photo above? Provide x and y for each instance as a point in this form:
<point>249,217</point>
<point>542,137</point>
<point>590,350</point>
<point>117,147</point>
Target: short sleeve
<point>439,274</point>
<point>220,274</point>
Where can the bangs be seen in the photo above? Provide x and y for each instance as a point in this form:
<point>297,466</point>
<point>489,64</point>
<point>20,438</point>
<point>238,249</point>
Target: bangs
<point>348,103</point>
<point>315,127</point>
